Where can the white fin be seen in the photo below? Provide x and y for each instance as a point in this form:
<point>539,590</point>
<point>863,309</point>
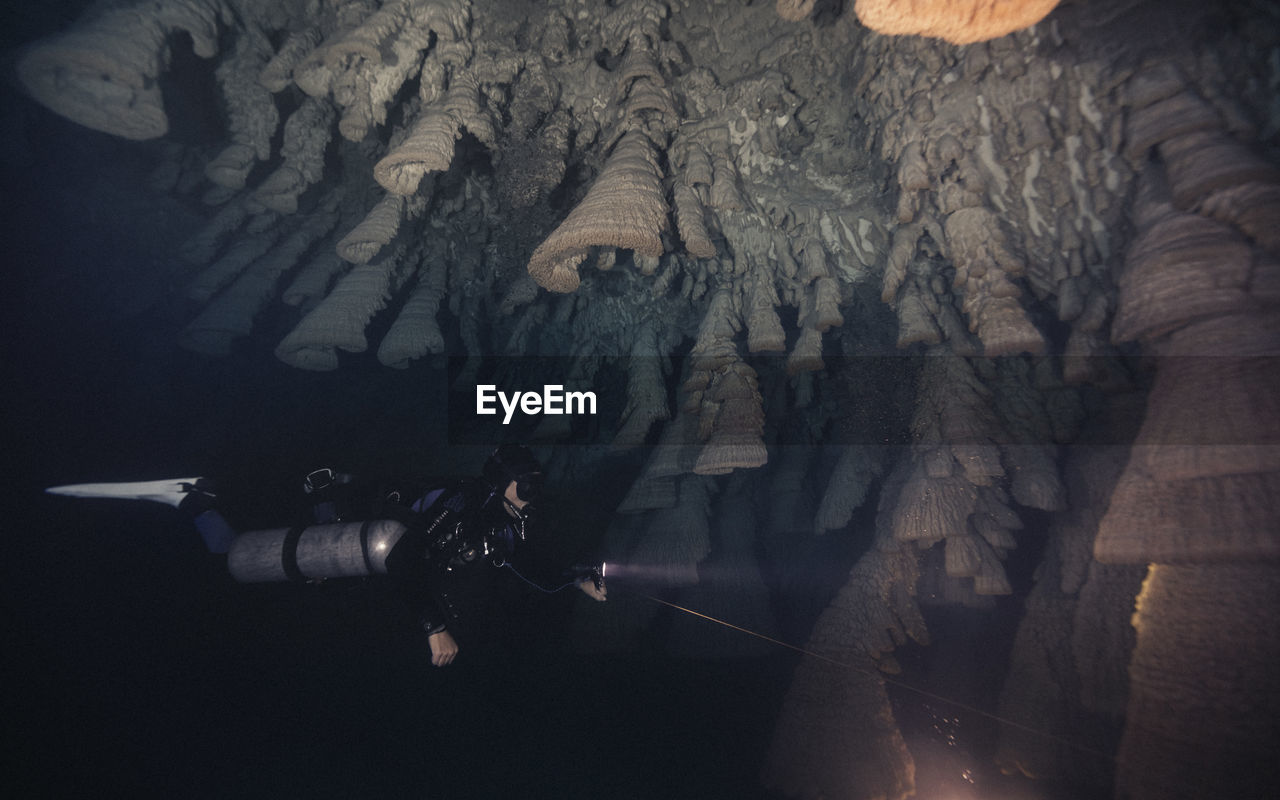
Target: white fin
<point>170,492</point>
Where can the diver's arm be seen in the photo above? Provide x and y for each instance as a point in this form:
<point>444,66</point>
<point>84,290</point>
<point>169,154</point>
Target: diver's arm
<point>443,648</point>
<point>590,589</point>
<point>408,565</point>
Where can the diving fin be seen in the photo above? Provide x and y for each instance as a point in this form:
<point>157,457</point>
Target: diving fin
<point>170,492</point>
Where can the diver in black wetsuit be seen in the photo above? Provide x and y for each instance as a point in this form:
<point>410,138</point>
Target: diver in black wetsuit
<point>443,551</point>
<point>446,561</point>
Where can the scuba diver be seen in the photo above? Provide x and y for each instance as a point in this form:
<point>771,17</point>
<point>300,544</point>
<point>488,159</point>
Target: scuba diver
<point>469,531</point>
<point>443,550</point>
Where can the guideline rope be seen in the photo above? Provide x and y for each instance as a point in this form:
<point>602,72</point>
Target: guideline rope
<point>900,684</point>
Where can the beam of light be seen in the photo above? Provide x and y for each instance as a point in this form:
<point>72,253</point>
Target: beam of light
<point>645,573</point>
<point>672,575</point>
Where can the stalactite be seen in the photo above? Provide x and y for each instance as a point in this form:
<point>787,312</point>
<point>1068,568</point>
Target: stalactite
<point>847,488</point>
<point>241,254</point>
<point>231,313</point>
<point>373,233</point>
<point>428,146</point>
<point>103,72</point>
<point>306,134</point>
<point>624,208</point>
<point>416,333</point>
<point>732,409</point>
<point>338,323</point>
<point>252,115</point>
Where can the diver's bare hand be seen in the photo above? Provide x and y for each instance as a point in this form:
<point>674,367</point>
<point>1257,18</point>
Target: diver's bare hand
<point>598,593</point>
<point>443,648</point>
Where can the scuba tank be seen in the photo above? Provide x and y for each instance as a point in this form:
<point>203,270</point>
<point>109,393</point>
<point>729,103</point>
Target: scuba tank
<point>323,546</point>
<point>303,553</point>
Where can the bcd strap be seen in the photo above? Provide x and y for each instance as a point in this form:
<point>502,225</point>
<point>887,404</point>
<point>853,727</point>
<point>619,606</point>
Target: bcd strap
<point>289,554</point>
<point>364,545</point>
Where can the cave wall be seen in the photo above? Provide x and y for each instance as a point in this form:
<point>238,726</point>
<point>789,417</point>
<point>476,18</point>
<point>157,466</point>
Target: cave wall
<point>835,269</point>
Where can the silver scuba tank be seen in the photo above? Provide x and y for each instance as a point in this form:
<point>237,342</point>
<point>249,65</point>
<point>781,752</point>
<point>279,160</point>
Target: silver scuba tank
<point>335,550</point>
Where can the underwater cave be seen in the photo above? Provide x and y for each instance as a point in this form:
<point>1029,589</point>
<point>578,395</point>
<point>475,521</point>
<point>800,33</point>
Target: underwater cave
<point>934,437</point>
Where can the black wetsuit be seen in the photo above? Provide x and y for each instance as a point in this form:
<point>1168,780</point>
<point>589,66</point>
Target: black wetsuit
<point>448,562</point>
